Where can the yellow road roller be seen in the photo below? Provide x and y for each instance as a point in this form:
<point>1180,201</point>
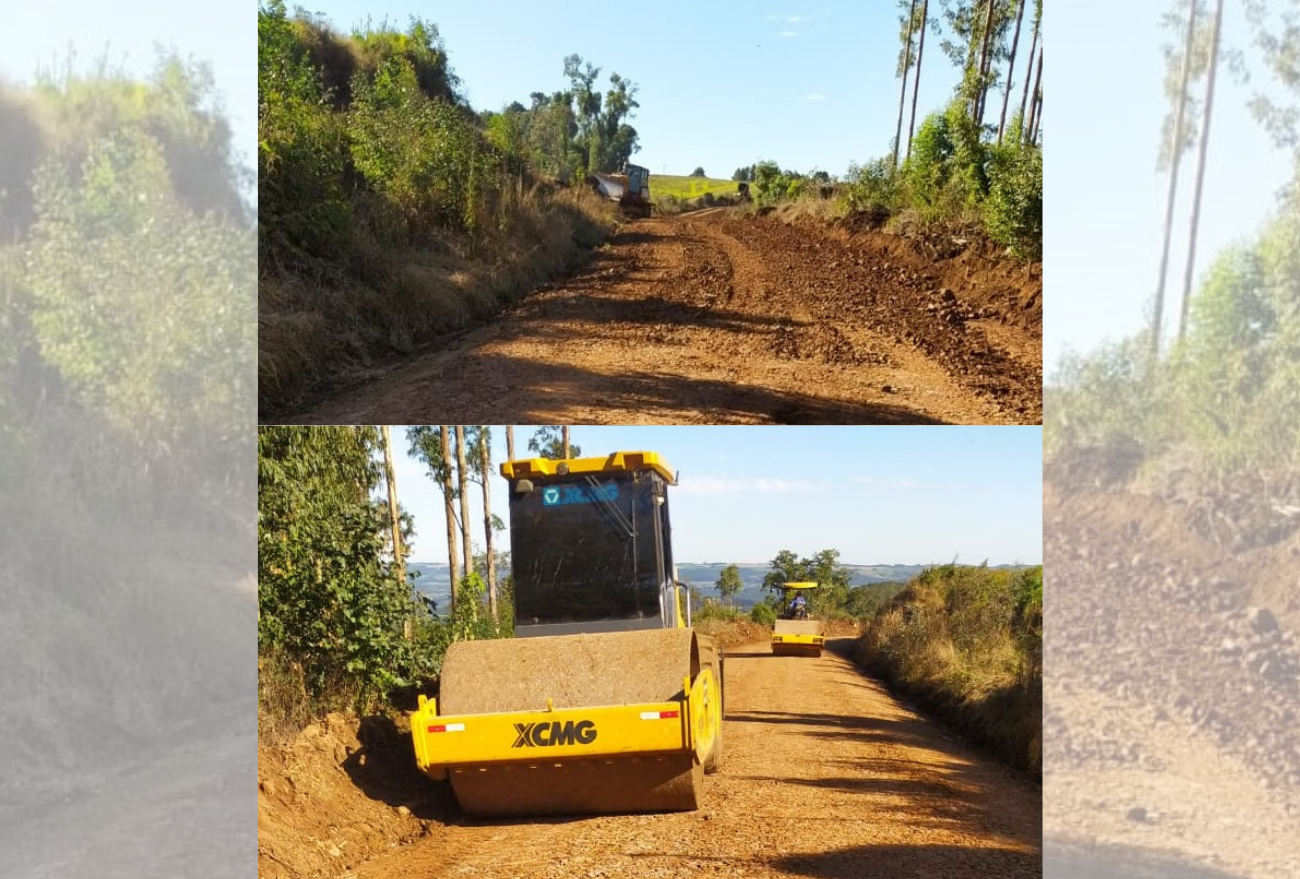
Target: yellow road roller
<point>606,701</point>
<point>795,633</point>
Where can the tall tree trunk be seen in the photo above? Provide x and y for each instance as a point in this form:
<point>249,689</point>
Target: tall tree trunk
<point>1036,106</point>
<point>902,92</point>
<point>453,563</point>
<point>981,85</point>
<point>564,440</point>
<point>1024,96</point>
<point>462,478</point>
<point>1175,160</point>
<point>1200,167</point>
<point>399,565</point>
<point>510,443</point>
<point>485,470</point>
<point>916,81</point>
<point>1011,69</point>
<point>393,518</point>
<point>1038,113</point>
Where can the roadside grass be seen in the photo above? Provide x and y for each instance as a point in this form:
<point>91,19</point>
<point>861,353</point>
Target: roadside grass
<point>375,299</point>
<point>966,643</point>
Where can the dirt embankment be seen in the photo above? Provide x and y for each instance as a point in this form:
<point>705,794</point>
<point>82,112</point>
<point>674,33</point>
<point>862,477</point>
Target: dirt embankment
<point>824,774</point>
<point>721,317</point>
<point>1172,669</point>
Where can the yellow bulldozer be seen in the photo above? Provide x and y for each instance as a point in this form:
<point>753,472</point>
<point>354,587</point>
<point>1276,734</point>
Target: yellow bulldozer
<point>606,701</point>
<point>795,633</point>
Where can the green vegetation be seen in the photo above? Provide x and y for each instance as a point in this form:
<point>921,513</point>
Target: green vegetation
<point>390,211</point>
<point>834,599</point>
<point>127,267</point>
<point>549,441</point>
<point>1214,415</point>
<point>763,614</point>
<point>1220,409</point>
<point>338,626</point>
<point>967,643</point>
<point>692,186</point>
<point>729,584</point>
<point>971,166</point>
<point>956,175</point>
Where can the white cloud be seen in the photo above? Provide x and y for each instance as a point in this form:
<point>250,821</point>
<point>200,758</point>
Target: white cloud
<point>878,482</point>
<point>816,97</point>
<point>716,486</point>
<point>793,19</point>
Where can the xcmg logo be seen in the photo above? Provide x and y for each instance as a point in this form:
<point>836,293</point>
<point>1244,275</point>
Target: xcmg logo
<point>546,734</point>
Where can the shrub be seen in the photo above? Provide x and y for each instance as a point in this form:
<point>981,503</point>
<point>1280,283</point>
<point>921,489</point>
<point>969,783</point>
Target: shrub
<point>769,183</point>
<point>966,642</point>
<point>763,614</point>
<point>712,609</point>
<point>1014,208</point>
<point>431,164</point>
<point>952,174</point>
<point>873,187</point>
<point>927,169</point>
<point>301,151</point>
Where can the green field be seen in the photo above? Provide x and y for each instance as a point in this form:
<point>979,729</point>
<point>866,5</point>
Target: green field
<point>688,187</point>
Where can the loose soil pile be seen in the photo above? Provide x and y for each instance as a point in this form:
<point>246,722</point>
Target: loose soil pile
<point>339,793</point>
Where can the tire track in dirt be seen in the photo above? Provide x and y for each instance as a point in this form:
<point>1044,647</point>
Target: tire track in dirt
<point>824,774</point>
<point>719,320</point>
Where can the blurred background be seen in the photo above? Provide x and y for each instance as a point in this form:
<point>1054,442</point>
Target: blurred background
<point>127,338</point>
<point>1171,498</point>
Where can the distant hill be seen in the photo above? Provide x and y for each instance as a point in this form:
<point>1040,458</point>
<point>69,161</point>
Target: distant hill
<point>704,575</point>
<point>433,579</point>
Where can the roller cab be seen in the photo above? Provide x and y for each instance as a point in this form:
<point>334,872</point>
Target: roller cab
<point>794,633</point>
<point>606,701</point>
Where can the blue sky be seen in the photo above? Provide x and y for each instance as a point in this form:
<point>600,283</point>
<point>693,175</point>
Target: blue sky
<point>808,84</point>
<point>1104,201</point>
<point>130,34</point>
<point>880,495</point>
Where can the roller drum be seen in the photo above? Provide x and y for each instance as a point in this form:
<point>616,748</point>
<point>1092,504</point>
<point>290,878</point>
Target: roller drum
<point>573,671</point>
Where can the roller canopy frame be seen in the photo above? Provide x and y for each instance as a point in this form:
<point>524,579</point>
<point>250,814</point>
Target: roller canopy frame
<point>617,462</point>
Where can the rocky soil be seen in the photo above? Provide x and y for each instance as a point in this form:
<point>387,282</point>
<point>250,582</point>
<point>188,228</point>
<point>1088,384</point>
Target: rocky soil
<point>1173,683</point>
<point>723,318</point>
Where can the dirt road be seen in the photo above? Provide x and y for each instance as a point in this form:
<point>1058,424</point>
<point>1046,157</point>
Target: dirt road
<point>1172,688</point>
<point>824,775</point>
<point>716,318</point>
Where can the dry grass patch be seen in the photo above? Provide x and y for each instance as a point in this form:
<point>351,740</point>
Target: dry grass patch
<point>967,644</point>
<point>319,319</point>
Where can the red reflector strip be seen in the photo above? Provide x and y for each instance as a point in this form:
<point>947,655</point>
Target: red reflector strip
<point>659,715</point>
<point>448,727</point>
